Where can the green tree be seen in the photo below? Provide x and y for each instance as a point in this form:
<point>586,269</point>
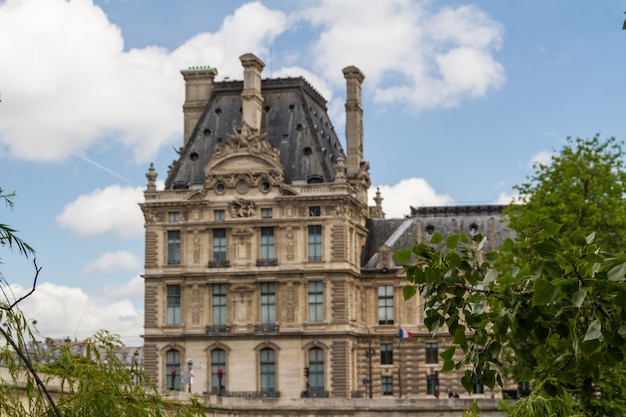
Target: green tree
<point>583,187</point>
<point>96,383</point>
<point>554,292</point>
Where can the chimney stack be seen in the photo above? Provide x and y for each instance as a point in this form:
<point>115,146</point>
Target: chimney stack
<point>198,86</point>
<point>252,100</point>
<point>354,120</point>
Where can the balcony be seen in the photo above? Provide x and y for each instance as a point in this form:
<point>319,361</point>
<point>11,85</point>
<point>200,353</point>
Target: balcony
<point>267,262</point>
<point>267,328</point>
<point>217,328</point>
<point>250,394</point>
<point>219,264</point>
<point>315,394</point>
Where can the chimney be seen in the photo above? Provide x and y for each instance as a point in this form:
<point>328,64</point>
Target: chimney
<point>198,85</point>
<point>251,97</point>
<point>354,120</point>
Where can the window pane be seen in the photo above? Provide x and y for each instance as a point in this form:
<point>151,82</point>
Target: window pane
<point>173,305</point>
<point>266,213</point>
<point>268,303</point>
<point>268,366</point>
<point>219,215</point>
<point>173,247</point>
<point>316,369</point>
<point>316,301</point>
<point>385,304</point>
<point>315,243</point>
<point>173,217</point>
<point>432,352</point>
<point>267,243</point>
<point>219,304</point>
<point>219,244</point>
<point>386,354</point>
<point>387,385</point>
<point>218,361</point>
<point>432,384</point>
<point>172,369</point>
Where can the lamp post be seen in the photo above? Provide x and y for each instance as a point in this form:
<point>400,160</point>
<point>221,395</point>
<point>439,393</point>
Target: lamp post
<point>369,353</point>
<point>189,368</point>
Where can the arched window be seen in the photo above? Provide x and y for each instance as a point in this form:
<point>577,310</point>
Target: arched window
<point>172,369</point>
<point>268,370</point>
<point>316,370</point>
<point>218,361</point>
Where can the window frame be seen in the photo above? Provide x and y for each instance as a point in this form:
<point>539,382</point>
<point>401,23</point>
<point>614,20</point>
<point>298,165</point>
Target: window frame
<point>219,304</point>
<point>174,238</point>
<point>386,310</point>
<point>267,370</point>
<point>220,245</point>
<point>267,244</point>
<point>386,353</point>
<point>173,305</point>
<point>316,370</point>
<point>316,301</point>
<point>268,303</point>
<point>315,248</point>
<point>218,361</point>
<point>386,385</point>
<point>172,362</point>
<point>432,353</point>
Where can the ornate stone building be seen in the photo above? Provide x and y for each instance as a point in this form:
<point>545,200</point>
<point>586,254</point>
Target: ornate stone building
<point>266,273</point>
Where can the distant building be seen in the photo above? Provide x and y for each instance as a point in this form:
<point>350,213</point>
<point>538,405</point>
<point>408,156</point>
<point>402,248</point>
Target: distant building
<point>266,273</point>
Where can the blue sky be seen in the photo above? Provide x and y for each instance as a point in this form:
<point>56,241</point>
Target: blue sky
<point>460,98</point>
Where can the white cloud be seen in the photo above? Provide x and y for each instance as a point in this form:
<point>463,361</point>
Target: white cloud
<point>133,288</point>
<point>73,86</point>
<point>408,52</point>
<point>111,262</point>
<point>416,192</point>
<point>63,311</point>
<point>110,210</point>
<point>505,198</point>
<point>543,158</point>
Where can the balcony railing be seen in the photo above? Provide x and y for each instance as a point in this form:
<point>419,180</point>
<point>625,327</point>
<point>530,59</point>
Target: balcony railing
<point>219,264</point>
<point>315,394</point>
<point>267,328</point>
<point>267,262</point>
<point>250,394</point>
<point>218,328</point>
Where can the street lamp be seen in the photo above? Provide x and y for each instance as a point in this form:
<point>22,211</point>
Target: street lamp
<point>369,353</point>
<point>189,368</point>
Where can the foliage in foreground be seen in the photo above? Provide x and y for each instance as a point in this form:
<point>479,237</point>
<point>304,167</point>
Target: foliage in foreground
<point>95,383</point>
<point>554,297</point>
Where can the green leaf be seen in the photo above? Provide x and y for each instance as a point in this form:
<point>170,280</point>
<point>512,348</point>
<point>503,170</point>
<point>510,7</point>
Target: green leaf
<point>436,238</point>
<point>408,292</point>
<point>403,256</point>
<point>447,354</point>
<point>545,292</point>
<point>453,241</point>
<point>594,331</point>
<point>617,272</point>
<point>579,297</point>
<point>447,366</point>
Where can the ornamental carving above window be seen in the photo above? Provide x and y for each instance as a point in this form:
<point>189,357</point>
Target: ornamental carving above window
<point>242,208</point>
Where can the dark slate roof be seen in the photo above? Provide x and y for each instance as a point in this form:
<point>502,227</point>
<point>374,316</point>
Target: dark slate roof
<point>294,117</point>
<point>487,220</point>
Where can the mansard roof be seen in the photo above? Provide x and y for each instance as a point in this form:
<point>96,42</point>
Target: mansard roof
<point>294,118</point>
<point>398,234</point>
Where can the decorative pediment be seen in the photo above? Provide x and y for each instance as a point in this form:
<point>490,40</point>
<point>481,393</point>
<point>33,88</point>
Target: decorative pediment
<point>246,156</point>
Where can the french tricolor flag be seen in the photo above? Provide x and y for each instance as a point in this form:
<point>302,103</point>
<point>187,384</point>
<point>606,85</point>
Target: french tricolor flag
<point>405,335</point>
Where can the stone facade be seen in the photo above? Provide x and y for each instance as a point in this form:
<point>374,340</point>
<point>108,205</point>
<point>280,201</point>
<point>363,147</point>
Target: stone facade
<point>266,273</point>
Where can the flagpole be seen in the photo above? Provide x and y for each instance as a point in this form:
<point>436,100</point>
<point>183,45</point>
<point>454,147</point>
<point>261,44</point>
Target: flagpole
<point>400,367</point>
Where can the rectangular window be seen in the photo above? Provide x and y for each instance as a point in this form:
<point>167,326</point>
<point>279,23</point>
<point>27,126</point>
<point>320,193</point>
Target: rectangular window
<point>266,213</point>
<point>314,211</point>
<point>387,385</point>
<point>219,244</point>
<point>173,217</point>
<point>267,243</point>
<point>268,370</point>
<point>432,352</point>
<point>315,243</point>
<point>173,305</point>
<point>316,301</point>
<point>219,305</point>
<point>432,384</point>
<point>385,304</point>
<point>268,303</point>
<point>386,353</point>
<point>219,215</point>
<point>478,387</point>
<point>173,247</point>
